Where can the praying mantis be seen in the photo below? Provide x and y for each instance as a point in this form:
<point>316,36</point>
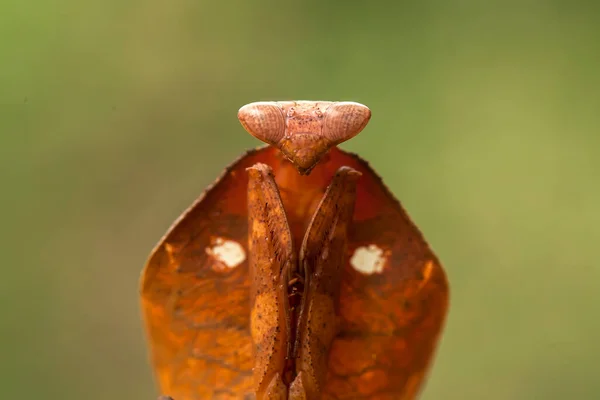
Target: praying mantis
<point>296,275</point>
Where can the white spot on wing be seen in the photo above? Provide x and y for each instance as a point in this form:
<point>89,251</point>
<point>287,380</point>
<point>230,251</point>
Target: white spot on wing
<point>229,253</point>
<point>368,259</point>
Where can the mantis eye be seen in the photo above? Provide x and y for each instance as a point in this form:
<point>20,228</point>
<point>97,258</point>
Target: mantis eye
<point>344,120</point>
<point>263,120</point>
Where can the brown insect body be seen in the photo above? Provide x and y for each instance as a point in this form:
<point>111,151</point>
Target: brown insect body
<point>294,299</point>
<point>295,318</point>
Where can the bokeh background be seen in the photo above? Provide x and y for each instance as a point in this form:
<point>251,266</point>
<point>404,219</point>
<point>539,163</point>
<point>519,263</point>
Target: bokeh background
<point>115,114</point>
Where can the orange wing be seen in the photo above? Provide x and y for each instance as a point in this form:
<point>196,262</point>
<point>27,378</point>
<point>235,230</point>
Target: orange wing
<point>393,301</point>
<point>197,306</point>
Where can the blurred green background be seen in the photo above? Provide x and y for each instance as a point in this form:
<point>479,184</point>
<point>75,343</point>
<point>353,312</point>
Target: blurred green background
<point>115,114</point>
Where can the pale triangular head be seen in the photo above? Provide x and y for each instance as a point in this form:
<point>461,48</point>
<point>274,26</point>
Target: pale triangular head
<point>304,130</point>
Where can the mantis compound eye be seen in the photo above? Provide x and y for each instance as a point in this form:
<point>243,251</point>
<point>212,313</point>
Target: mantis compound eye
<point>263,120</point>
<point>344,120</point>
